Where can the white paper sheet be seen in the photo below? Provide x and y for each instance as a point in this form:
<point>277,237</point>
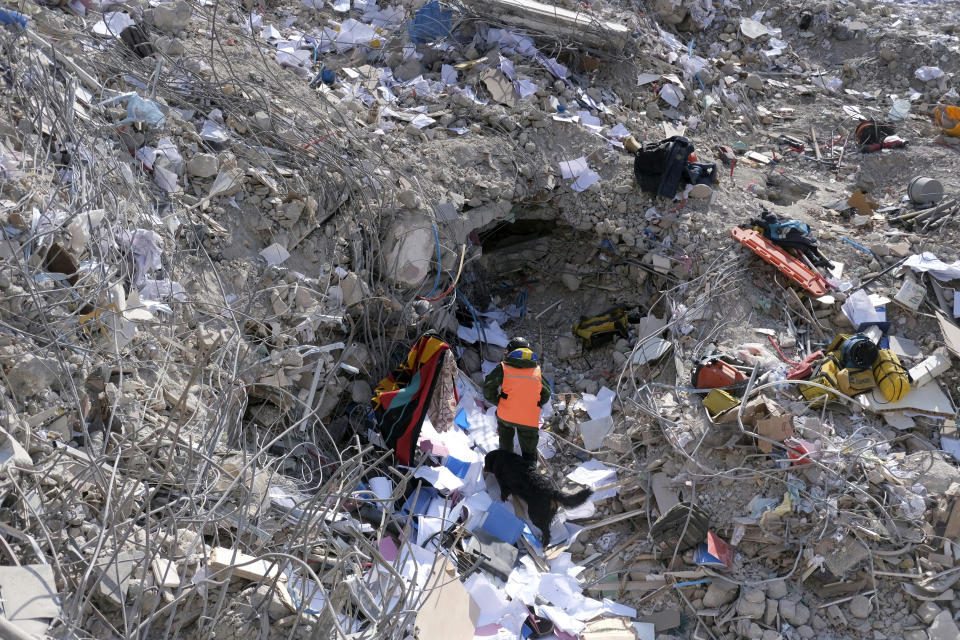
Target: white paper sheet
<point>448,75</point>
<point>523,583</point>
<point>506,66</point>
<point>420,121</point>
<point>525,87</point>
<point>492,333</point>
<point>594,431</point>
<point>590,121</point>
<point>612,608</point>
<point>671,95</point>
<point>951,446</point>
<point>935,266</point>
<point>561,591</point>
<point>645,630</point>
<point>113,23</point>
<point>491,600</point>
<point>427,530</point>
<point>440,477</point>
<point>594,474</point>
<point>353,33</point>
<point>381,487</point>
<point>553,66</point>
<point>275,254</point>
<point>214,132</point>
<point>860,310</point>
<point>572,168</point>
<point>585,180</point>
<point>563,621</point>
<point>600,405</point>
<point>513,619</point>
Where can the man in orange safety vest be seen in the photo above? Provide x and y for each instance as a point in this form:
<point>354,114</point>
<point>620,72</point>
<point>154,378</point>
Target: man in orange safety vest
<point>518,389</point>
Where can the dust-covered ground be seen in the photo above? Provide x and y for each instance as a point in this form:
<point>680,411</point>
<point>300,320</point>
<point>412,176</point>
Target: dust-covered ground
<point>224,227</point>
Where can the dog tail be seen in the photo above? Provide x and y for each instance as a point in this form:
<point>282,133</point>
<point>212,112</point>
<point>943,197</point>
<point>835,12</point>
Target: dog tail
<point>573,499</point>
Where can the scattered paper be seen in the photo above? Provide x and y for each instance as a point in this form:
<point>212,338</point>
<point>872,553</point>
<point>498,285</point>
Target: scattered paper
<point>911,295</point>
<point>860,310</point>
<point>585,180</point>
<point>113,23</point>
<point>275,254</point>
<point>572,168</point>
<point>381,487</point>
<point>594,474</point>
<point>490,600</point>
<point>928,262</point>
<point>590,121</point>
<point>214,132</point>
<point>525,87</point>
<point>448,75</point>
<point>671,95</point>
<point>488,331</point>
<point>752,29</point>
<point>951,333</point>
<point>600,405</point>
<point>440,477</point>
<point>594,431</point>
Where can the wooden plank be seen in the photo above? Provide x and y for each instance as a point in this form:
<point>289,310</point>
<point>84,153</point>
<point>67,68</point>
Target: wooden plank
<point>816,145</point>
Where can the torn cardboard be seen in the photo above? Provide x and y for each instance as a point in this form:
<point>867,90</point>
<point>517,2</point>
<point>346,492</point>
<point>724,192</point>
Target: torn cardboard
<point>448,611</point>
<point>777,428</point>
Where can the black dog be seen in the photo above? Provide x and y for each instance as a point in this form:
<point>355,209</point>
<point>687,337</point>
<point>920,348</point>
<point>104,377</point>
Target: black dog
<point>516,476</point>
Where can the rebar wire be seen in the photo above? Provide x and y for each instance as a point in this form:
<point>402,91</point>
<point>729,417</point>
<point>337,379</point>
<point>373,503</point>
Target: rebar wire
<point>855,446</point>
<point>165,463</point>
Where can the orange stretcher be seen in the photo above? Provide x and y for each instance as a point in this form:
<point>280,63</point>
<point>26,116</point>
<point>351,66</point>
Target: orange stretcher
<point>792,267</point>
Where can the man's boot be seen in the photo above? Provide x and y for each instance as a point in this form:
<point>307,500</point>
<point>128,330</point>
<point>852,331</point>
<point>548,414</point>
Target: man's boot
<point>530,457</point>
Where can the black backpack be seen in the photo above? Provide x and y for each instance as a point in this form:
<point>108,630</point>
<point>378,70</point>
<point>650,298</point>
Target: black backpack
<point>791,234</point>
<point>659,166</point>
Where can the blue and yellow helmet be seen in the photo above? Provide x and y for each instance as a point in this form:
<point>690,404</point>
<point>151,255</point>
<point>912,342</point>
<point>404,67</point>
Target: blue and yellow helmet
<point>523,354</point>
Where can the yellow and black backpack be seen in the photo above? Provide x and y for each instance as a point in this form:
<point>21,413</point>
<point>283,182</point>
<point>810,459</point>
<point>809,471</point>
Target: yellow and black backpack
<point>599,329</point>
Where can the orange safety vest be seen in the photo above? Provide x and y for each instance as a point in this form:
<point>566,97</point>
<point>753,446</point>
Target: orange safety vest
<point>522,388</point>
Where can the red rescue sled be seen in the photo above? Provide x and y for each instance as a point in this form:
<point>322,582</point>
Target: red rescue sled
<point>794,268</point>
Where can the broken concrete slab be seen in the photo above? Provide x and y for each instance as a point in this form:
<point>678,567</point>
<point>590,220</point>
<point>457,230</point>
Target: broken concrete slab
<point>408,250</point>
<point>30,599</point>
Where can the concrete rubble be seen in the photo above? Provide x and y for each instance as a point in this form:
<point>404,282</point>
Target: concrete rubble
<point>224,226</point>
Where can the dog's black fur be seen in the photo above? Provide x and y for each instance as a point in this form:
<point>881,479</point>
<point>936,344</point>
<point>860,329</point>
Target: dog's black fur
<point>517,476</point>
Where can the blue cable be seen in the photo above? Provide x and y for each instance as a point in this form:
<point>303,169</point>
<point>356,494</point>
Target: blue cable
<point>473,314</point>
<point>436,283</point>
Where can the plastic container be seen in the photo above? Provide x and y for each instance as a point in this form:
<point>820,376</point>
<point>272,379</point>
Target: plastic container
<point>925,190</point>
<point>949,120</point>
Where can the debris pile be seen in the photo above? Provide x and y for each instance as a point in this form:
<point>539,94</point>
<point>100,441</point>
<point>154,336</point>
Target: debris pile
<point>260,262</point>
